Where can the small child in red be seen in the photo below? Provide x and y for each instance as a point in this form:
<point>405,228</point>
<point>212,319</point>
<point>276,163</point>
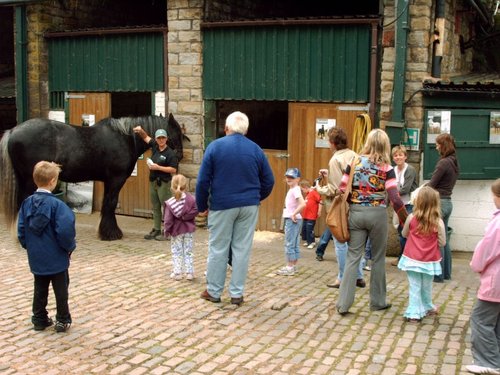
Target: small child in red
<point>311,213</point>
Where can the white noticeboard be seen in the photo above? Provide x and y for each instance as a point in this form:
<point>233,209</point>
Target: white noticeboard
<point>160,104</point>
<point>57,116</point>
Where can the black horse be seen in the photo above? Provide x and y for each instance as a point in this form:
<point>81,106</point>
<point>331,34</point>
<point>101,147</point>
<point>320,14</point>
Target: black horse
<point>104,152</point>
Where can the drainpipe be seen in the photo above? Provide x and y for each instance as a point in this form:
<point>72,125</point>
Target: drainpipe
<point>398,93</point>
<point>373,72</point>
<point>21,64</point>
<point>437,48</point>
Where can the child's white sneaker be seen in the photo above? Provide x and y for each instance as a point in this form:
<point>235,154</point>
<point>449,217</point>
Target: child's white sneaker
<point>286,271</point>
<point>176,276</point>
<point>305,244</point>
<point>189,276</point>
<point>311,246</point>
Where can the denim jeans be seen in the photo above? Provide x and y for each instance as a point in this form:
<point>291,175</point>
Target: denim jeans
<point>292,231</point>
<point>323,241</point>
<point>308,231</point>
<point>230,230</point>
<point>341,254</point>
<point>446,209</point>
<point>368,254</point>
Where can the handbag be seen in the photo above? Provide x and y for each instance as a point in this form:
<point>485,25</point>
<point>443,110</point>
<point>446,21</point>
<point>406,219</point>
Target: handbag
<point>337,218</point>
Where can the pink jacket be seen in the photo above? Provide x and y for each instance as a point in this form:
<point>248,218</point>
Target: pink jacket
<point>486,261</point>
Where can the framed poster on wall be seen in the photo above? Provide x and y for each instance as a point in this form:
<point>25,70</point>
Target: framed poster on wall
<point>495,128</point>
<point>322,127</point>
<point>437,122</point>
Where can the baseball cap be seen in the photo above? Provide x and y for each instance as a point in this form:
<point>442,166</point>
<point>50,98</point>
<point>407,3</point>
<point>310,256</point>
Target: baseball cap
<point>292,172</point>
<point>161,133</point>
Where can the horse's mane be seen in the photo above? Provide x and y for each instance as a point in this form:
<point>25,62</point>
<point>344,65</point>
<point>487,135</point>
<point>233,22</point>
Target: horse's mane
<point>149,123</point>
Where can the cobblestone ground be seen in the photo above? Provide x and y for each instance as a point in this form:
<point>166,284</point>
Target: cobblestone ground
<point>129,317</point>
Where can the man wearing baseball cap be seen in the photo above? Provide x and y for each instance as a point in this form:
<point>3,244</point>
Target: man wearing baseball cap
<point>162,165</point>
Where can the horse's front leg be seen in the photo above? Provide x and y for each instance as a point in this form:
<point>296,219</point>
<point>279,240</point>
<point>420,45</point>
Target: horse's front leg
<point>108,227</point>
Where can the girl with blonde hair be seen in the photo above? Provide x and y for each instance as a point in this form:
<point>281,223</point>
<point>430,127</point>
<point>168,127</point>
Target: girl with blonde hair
<point>425,233</point>
<point>373,181</point>
<point>180,211</point>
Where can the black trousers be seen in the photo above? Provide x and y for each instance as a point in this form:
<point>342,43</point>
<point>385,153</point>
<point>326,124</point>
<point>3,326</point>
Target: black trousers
<point>60,284</point>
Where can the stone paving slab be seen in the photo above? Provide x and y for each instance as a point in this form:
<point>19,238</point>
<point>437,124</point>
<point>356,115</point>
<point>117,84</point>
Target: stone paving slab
<point>129,317</point>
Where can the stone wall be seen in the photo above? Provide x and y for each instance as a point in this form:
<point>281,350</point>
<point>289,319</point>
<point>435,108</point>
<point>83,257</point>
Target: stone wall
<point>58,16</point>
<point>419,68</point>
<point>419,54</point>
<point>184,96</point>
<point>419,57</point>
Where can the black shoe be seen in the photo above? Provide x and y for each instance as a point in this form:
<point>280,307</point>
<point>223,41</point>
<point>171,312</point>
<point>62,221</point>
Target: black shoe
<point>388,306</point>
<point>43,325</point>
<point>360,283</point>
<point>438,279</point>
<point>319,258</point>
<point>237,300</point>
<point>152,235</point>
<point>62,327</point>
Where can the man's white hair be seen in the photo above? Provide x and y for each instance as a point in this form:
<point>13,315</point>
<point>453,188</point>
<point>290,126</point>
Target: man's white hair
<point>237,122</point>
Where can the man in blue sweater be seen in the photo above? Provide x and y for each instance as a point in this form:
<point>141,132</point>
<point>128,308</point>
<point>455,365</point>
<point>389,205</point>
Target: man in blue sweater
<point>234,177</point>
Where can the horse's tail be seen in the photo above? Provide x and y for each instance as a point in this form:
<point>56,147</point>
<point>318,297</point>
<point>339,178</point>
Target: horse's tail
<point>8,183</point>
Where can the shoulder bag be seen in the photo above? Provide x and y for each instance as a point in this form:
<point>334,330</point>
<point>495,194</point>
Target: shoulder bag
<point>337,218</point>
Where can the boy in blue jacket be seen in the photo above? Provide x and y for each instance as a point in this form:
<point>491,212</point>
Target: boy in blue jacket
<point>46,229</point>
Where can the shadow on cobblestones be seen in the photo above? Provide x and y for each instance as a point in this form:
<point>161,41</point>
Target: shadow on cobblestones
<point>129,317</point>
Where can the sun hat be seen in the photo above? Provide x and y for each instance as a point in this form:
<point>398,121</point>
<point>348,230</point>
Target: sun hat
<point>292,172</point>
<point>161,133</point>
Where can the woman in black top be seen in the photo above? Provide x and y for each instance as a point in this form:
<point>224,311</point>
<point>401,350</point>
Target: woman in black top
<point>443,179</point>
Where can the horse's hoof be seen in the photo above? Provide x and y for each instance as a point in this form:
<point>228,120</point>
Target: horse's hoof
<point>110,236</point>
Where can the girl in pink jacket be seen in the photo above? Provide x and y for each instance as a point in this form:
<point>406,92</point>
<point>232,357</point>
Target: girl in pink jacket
<point>485,318</point>
<point>179,214</point>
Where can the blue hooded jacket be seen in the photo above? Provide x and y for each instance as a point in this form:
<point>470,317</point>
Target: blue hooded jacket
<point>46,229</point>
